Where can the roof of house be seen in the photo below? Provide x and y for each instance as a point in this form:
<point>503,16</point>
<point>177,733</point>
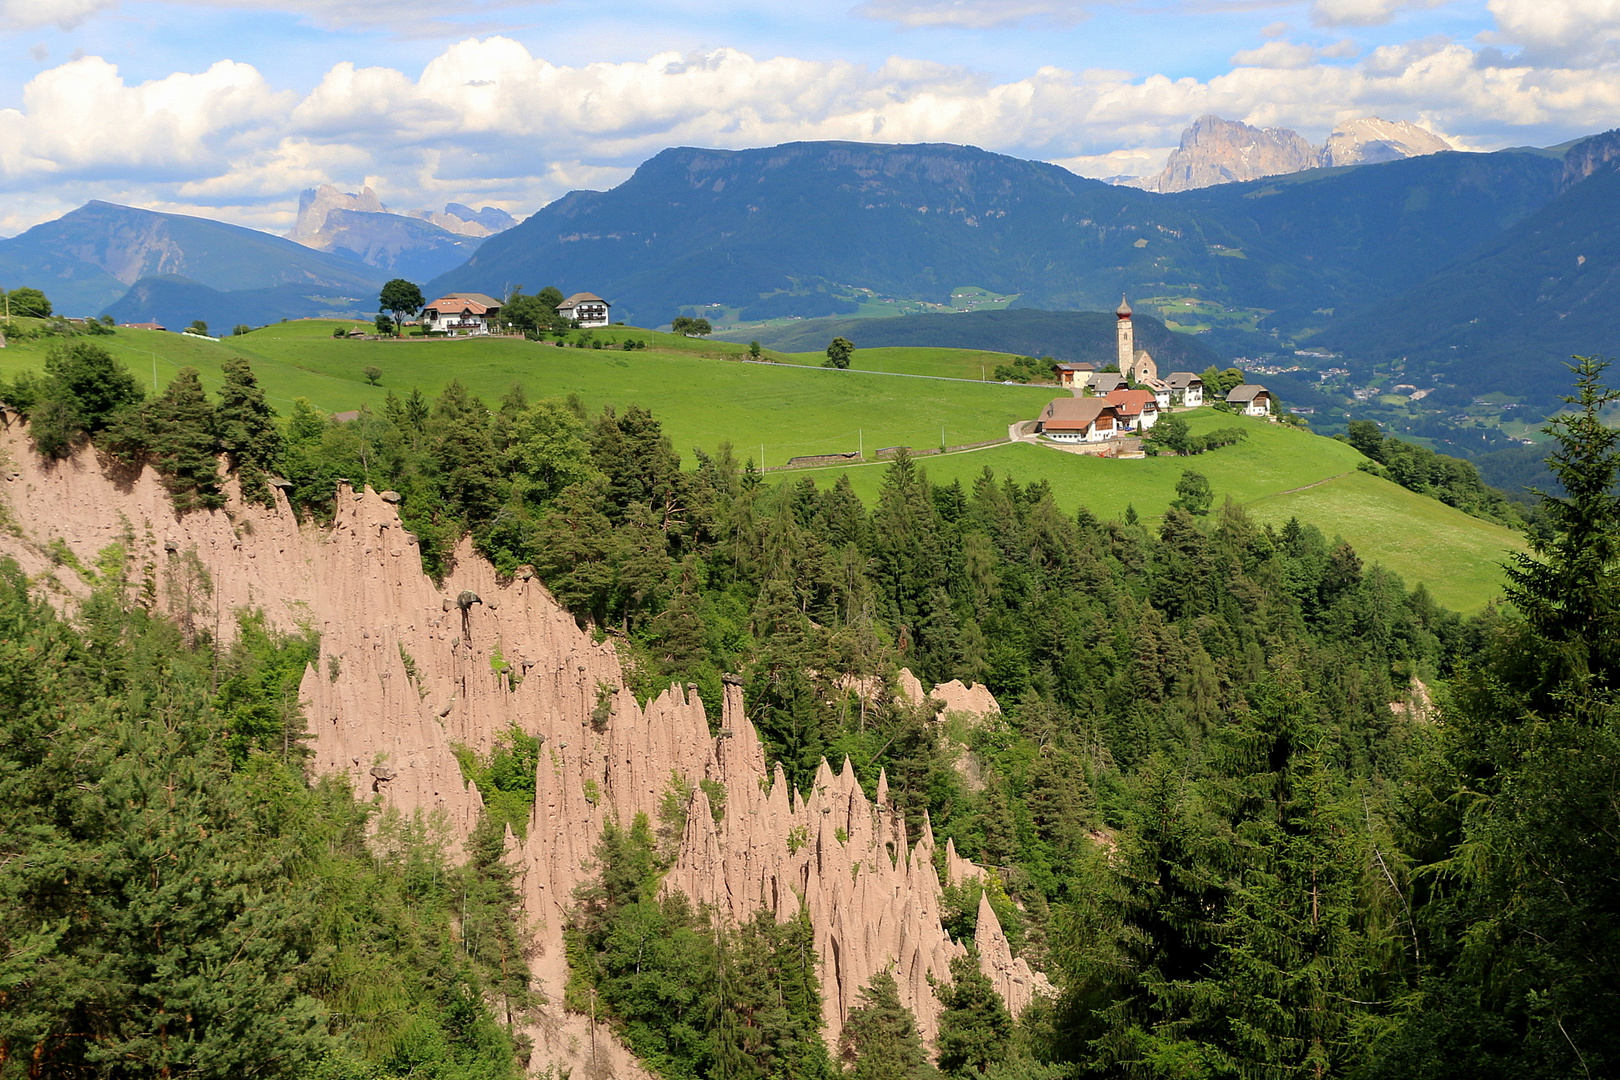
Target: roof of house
<point>1245,392</point>
<point>1158,385</point>
<point>1103,382</point>
<point>1180,380</point>
<point>143,326</point>
<point>581,298</point>
<point>1132,402</point>
<point>474,303</point>
<point>1075,414</point>
<point>1074,367</point>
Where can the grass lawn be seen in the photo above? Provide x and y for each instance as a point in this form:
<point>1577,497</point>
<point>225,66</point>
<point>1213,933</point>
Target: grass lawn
<point>910,360</point>
<point>788,409</point>
<point>1277,473</point>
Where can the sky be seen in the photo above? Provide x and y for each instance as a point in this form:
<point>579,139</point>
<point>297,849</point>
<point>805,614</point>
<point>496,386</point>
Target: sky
<point>229,108</point>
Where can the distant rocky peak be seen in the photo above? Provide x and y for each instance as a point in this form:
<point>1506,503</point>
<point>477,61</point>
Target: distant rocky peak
<point>465,221</point>
<point>1590,155</point>
<point>1370,140</point>
<point>1217,151</point>
<point>315,203</point>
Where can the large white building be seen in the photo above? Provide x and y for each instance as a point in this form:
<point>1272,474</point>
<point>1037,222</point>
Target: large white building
<point>460,313</point>
<point>586,309</point>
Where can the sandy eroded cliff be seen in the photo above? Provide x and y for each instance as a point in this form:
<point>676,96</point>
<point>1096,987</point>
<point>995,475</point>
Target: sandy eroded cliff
<point>407,670</point>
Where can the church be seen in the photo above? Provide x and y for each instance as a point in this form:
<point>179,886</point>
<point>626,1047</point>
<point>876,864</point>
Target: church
<point>1136,364</point>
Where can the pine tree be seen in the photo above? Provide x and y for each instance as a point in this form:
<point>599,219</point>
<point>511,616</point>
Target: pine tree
<point>880,1040</point>
<point>975,1029</point>
<point>247,430</point>
<point>181,430</point>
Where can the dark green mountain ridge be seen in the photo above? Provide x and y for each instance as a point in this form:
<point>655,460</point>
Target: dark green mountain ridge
<point>811,220</point>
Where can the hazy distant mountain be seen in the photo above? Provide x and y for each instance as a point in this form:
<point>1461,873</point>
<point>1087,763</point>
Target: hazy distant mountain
<point>175,301</point>
<point>796,227</point>
<point>1063,335</point>
<point>1510,312</point>
<point>418,245</point>
<point>86,259</point>
<point>1217,151</point>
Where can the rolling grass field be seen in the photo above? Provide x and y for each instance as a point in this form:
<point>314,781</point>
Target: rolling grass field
<point>1277,473</point>
<point>906,360</point>
<point>791,409</point>
<point>769,412</point>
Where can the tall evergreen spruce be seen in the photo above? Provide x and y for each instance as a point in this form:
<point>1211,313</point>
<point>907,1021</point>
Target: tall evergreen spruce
<point>975,1029</point>
<point>880,1040</point>
<point>247,430</point>
<point>181,430</point>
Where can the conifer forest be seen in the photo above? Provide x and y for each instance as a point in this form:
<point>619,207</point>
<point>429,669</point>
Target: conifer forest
<point>1204,819</point>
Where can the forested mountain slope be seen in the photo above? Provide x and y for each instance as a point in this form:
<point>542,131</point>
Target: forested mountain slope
<point>697,227</point>
<point>1217,808</point>
<point>1509,315</point>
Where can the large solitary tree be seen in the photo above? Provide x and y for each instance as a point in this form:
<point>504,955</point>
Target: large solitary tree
<point>401,298</point>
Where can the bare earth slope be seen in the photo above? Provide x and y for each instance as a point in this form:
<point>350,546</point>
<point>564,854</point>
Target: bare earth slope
<point>407,669</point>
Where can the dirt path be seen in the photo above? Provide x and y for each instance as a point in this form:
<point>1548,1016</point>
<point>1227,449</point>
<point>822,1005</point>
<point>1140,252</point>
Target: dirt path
<point>1307,487</point>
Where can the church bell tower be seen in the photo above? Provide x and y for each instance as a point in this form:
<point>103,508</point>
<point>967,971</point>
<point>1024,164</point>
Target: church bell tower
<point>1127,338</point>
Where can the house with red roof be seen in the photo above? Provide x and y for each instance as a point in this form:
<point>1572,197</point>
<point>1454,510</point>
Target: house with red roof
<point>461,314</point>
<point>1137,409</point>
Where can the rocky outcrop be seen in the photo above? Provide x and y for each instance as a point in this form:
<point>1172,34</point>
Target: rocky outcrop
<point>1369,140</point>
<point>1589,155</point>
<point>1217,151</point>
<point>408,669</point>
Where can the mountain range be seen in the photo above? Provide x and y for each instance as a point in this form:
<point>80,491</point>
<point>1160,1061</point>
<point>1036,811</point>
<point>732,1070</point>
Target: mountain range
<point>90,259</point>
<point>418,245</point>
<point>1472,272</point>
<point>805,225</point>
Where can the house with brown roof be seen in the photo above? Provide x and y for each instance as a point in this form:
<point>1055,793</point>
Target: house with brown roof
<point>1104,382</point>
<point>585,309</point>
<point>1070,376</point>
<point>461,314</point>
<point>1083,419</point>
<point>1186,389</point>
<point>1251,399</point>
<point>1137,409</point>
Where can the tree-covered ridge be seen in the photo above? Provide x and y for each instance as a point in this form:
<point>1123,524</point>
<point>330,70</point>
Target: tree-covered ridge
<point>180,900</point>
<point>1201,812</point>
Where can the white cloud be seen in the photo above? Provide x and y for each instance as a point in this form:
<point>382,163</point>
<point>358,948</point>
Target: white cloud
<point>1559,31</point>
<point>488,122</point>
<point>1364,12</point>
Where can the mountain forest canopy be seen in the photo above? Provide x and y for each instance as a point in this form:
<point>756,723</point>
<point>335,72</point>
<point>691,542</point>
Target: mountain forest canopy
<point>1204,817</point>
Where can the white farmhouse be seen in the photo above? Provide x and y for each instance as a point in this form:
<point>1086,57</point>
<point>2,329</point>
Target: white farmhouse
<point>1250,399</point>
<point>460,314</point>
<point>586,309</point>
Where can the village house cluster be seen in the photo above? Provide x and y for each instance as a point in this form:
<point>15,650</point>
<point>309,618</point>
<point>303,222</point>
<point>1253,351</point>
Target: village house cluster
<point>1114,404</point>
<point>464,314</point>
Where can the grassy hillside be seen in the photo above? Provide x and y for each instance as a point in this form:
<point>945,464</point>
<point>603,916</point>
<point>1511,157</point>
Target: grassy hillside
<point>703,399</point>
<point>975,364</point>
<point>1278,473</point>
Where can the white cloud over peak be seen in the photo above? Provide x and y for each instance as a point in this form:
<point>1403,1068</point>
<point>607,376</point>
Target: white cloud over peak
<point>1559,31</point>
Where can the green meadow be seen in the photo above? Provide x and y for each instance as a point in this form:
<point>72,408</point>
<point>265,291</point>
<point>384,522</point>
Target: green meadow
<point>771,412</point>
<point>1277,473</point>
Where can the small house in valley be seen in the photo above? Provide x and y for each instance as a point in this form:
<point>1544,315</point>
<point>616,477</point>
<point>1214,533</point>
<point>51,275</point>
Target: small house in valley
<point>1137,410</point>
<point>1250,399</point>
<point>1105,382</point>
<point>1078,419</point>
<point>1161,392</point>
<point>1186,389</point>
<point>1071,376</point>
<point>585,309</point>
<point>461,314</point>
